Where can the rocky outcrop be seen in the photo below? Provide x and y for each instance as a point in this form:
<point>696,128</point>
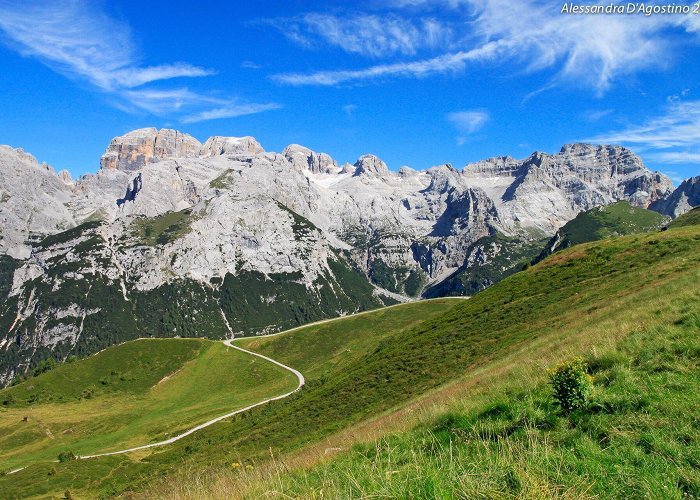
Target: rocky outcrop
<point>545,191</point>
<point>216,146</point>
<point>370,165</point>
<point>683,199</point>
<point>33,202</point>
<point>304,159</point>
<point>137,149</point>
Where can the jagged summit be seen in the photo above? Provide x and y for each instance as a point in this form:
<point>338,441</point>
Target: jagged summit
<point>138,148</point>
<point>217,145</point>
<point>370,165</point>
<point>683,199</point>
<point>302,158</point>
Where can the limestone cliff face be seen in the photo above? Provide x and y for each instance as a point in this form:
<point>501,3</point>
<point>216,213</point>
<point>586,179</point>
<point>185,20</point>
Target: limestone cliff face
<point>371,165</point>
<point>140,147</point>
<point>33,202</point>
<point>304,159</point>
<point>216,146</point>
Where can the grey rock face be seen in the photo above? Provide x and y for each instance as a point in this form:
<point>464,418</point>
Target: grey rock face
<point>136,149</point>
<point>216,146</point>
<point>683,199</point>
<point>32,201</point>
<point>370,165</point>
<point>304,159</point>
<point>545,191</point>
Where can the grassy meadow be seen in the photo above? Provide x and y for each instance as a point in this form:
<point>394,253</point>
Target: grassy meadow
<point>137,393</point>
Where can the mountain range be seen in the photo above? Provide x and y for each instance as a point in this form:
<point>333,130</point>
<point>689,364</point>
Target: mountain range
<point>173,237</point>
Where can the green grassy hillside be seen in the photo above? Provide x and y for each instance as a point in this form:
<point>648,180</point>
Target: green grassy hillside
<point>325,350</point>
<point>585,300</point>
<point>617,219</point>
<point>592,300</point>
<point>637,438</point>
<point>691,218</point>
<point>134,394</point>
<point>337,342</point>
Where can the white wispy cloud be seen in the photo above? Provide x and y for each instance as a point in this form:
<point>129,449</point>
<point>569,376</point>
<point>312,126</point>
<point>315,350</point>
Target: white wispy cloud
<point>368,35</point>
<point>230,110</point>
<point>678,126</point>
<point>349,109</point>
<point>594,115</point>
<point>677,157</point>
<point>530,36</point>
<point>441,64</point>
<point>80,41</point>
<point>672,137</point>
<point>164,101</point>
<point>250,65</point>
<point>468,122</point>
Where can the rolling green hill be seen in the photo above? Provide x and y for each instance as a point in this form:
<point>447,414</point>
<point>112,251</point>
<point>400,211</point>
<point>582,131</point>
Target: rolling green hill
<point>617,219</point>
<point>590,300</point>
<point>133,394</point>
<point>691,218</point>
<point>132,399</point>
<point>603,300</point>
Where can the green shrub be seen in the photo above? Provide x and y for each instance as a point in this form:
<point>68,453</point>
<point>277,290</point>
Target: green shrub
<point>66,456</point>
<point>44,366</point>
<point>571,384</point>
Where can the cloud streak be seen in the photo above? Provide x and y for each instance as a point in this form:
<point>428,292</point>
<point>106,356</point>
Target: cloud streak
<point>83,43</point>
<point>452,62</point>
<point>367,35</point>
<point>230,110</point>
<point>592,51</point>
<point>672,137</point>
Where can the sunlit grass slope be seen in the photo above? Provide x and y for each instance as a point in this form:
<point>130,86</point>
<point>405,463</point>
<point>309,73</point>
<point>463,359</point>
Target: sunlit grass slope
<point>324,350</point>
<point>629,304</point>
<point>638,438</point>
<point>690,218</point>
<point>317,350</point>
<point>136,393</point>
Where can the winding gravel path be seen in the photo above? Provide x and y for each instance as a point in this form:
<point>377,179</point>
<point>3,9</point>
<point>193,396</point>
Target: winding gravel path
<point>229,343</point>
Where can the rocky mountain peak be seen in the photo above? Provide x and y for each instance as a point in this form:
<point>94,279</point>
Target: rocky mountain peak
<point>217,145</point>
<point>138,148</point>
<point>371,165</point>
<point>65,176</point>
<point>498,165</point>
<point>683,199</point>
<point>347,168</point>
<point>302,158</point>
<point>407,171</point>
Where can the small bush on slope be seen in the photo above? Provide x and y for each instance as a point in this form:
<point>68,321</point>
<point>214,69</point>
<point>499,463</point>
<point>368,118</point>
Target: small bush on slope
<point>571,384</point>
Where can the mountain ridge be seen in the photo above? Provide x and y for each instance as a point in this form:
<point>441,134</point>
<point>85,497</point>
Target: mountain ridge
<point>249,234</point>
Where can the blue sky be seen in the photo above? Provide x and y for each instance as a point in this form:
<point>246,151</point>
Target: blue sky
<point>416,82</point>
